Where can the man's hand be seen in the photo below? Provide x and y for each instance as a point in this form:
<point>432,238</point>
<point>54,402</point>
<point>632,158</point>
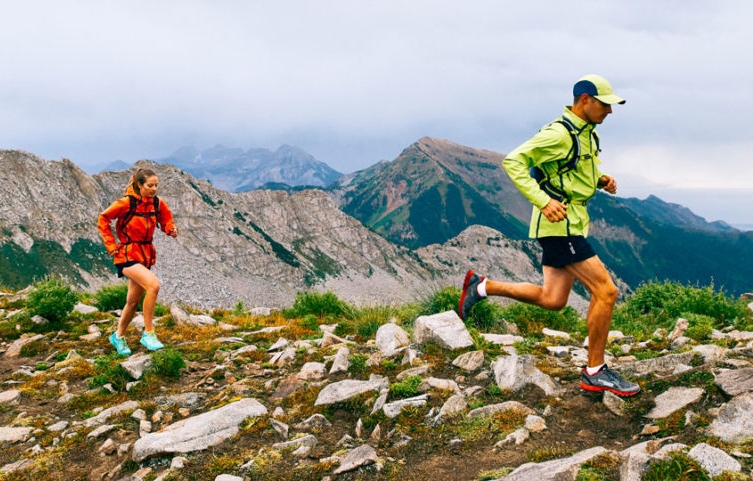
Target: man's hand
<point>608,183</point>
<point>554,211</point>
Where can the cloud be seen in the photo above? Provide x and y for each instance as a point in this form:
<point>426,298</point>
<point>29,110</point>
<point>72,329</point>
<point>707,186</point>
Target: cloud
<point>354,82</point>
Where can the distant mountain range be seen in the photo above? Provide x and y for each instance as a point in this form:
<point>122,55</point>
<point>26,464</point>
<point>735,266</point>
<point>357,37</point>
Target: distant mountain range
<point>238,170</point>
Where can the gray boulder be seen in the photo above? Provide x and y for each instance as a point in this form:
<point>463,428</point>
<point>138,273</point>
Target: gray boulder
<point>735,421</point>
<point>515,372</point>
<point>198,432</point>
<point>673,399</point>
<point>714,460</point>
<point>735,381</point>
<point>344,390</point>
<point>445,329</point>
<point>361,456</point>
<point>391,338</point>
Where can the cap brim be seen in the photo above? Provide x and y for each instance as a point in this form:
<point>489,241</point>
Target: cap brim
<point>610,99</point>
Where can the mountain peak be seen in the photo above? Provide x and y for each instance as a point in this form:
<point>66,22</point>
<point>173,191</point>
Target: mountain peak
<point>237,170</point>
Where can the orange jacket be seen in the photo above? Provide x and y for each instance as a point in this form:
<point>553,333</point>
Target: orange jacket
<point>134,236</point>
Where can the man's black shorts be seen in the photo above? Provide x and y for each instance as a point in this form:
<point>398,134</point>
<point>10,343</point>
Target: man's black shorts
<point>561,251</point>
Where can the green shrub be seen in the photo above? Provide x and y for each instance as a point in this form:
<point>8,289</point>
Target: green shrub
<point>112,297</point>
<point>655,305</point>
<point>532,319</point>
<point>700,326</point>
<point>109,371</point>
<point>675,466</point>
<point>31,349</point>
<point>365,321</point>
<point>310,322</point>
<point>168,363</point>
<point>357,363</point>
<point>160,310</point>
<point>445,299</point>
<point>408,387</point>
<point>52,299</point>
<point>484,316</point>
<point>322,305</point>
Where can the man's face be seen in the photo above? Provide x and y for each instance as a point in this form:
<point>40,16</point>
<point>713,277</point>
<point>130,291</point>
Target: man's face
<point>595,110</point>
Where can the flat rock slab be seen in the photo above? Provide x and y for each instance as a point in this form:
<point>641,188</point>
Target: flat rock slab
<point>735,421</point>
<point>199,432</point>
<point>356,458</point>
<point>674,399</point>
<point>14,435</point>
<point>15,349</point>
<point>344,390</point>
<point>102,417</point>
<point>556,469</point>
<point>735,381</point>
<point>714,460</point>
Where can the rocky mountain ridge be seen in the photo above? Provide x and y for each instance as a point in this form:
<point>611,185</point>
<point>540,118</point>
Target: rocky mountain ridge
<point>257,247</point>
<point>435,189</point>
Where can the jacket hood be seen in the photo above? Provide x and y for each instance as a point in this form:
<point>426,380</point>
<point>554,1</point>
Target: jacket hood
<point>132,192</point>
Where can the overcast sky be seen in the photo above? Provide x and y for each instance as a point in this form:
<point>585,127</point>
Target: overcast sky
<point>355,82</point>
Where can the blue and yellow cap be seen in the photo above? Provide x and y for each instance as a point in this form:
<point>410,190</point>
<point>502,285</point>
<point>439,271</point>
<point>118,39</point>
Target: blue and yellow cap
<point>597,87</point>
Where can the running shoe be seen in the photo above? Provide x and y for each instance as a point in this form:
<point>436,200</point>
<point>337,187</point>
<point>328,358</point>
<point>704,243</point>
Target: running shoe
<point>470,296</point>
<point>608,380</point>
<point>120,344</point>
<point>149,340</point>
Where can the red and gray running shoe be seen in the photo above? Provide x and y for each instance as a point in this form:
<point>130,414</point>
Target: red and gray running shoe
<point>608,380</point>
<point>470,296</point>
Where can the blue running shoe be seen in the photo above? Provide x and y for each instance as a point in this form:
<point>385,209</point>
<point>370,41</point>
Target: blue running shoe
<point>149,340</point>
<point>120,344</point>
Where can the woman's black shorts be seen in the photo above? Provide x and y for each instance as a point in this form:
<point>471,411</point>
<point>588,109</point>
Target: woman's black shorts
<point>561,251</point>
<point>122,266</point>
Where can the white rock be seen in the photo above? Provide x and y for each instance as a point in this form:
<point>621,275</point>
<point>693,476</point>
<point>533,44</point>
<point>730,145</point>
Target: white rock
<point>391,338</point>
<point>673,399</point>
<point>714,460</point>
<point>445,329</point>
<point>344,390</point>
<point>198,432</point>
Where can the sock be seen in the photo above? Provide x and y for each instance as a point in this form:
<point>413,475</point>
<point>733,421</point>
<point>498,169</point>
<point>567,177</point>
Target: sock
<point>148,332</point>
<point>593,370</point>
<point>481,288</point>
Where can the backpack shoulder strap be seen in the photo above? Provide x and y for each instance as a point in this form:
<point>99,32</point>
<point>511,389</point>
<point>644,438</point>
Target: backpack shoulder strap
<point>571,159</point>
<point>564,165</point>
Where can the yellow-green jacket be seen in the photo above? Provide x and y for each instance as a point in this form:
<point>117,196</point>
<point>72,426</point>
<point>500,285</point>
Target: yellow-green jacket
<point>543,150</point>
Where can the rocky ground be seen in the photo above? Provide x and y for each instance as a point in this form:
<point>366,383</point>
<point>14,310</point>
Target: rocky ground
<point>268,398</point>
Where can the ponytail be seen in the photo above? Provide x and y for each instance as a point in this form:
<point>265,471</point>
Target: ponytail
<point>139,178</point>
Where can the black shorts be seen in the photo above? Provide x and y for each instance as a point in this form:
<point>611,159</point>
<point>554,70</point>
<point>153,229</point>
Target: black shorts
<point>561,251</point>
<point>122,266</point>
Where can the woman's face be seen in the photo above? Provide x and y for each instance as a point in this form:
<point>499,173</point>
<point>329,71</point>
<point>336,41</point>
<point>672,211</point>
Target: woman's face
<point>149,187</point>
